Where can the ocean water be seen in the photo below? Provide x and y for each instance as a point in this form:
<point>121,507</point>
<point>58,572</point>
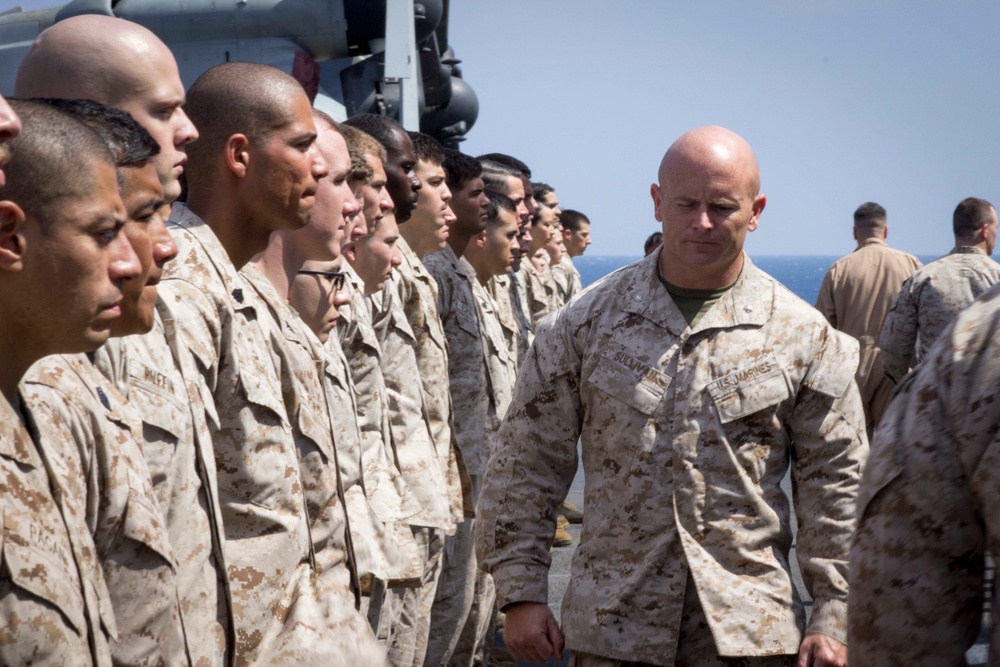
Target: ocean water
<point>802,274</point>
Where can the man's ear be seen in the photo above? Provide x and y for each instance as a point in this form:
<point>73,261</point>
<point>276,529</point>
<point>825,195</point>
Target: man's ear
<point>237,154</point>
<point>350,252</point>
<point>480,239</point>
<point>12,241</point>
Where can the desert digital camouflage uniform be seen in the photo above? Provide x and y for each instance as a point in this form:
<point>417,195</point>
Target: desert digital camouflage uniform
<point>539,289</point>
<point>456,629</point>
<point>282,612</point>
<point>519,305</point>
<point>498,288</point>
<point>929,301</point>
<point>54,606</point>
<point>927,506</point>
<point>83,420</point>
<point>301,361</point>
<point>418,463</point>
<point>854,297</point>
<point>566,278</point>
<point>686,434</point>
<point>416,291</point>
<point>394,559</point>
<point>177,448</point>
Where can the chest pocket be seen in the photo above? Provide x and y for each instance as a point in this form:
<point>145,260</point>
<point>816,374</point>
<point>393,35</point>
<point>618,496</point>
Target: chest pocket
<point>259,391</point>
<point>43,575</point>
<point>642,389</point>
<point>144,524</point>
<point>749,390</point>
<point>467,318</point>
<point>150,393</point>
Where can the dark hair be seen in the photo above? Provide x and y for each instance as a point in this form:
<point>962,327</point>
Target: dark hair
<point>51,160</point>
<point>869,212</point>
<point>654,239</point>
<point>495,175</point>
<point>572,220</point>
<point>539,190</point>
<point>498,202</point>
<point>427,148</point>
<point>459,168</point>
<point>970,216</point>
<point>129,142</point>
<point>235,98</point>
<point>507,161</point>
<point>382,128</point>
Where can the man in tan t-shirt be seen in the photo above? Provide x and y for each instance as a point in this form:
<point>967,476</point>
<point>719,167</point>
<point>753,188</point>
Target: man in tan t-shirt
<point>855,296</point>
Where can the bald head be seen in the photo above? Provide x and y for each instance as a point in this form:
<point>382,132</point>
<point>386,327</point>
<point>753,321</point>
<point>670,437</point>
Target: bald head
<point>708,198</point>
<point>120,64</point>
<point>713,147</point>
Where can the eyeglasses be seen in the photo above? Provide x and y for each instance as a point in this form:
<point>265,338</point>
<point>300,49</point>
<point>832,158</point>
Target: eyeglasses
<point>337,278</point>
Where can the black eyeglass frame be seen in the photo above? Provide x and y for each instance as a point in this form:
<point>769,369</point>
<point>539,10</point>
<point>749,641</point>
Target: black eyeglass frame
<point>337,277</point>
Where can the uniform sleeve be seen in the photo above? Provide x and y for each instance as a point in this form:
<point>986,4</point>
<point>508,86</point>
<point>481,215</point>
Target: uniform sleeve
<point>532,466</point>
<point>917,558</point>
<point>830,447</point>
<point>824,302</point>
<point>899,334</point>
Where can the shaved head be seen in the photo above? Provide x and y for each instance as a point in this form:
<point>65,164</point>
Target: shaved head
<point>237,98</point>
<point>120,64</point>
<point>713,145</point>
<point>708,198</point>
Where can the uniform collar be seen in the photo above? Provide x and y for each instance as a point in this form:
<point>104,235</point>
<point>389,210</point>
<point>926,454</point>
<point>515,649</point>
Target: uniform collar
<point>749,302</point>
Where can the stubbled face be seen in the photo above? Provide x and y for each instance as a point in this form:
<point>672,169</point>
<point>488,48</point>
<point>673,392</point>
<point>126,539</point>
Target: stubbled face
<point>428,219</point>
<point>156,102</point>
<point>321,239</point>
<point>515,190</point>
<point>316,299</point>
<point>10,127</point>
<point>145,230</point>
<point>706,204</point>
<point>469,202</point>
<point>501,243</point>
<point>543,229</point>
<point>76,271</point>
<point>576,242</point>
<point>284,171</point>
<point>403,183</point>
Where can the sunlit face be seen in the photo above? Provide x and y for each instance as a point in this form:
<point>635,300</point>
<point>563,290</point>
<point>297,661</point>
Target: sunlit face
<point>10,127</point>
<point>501,243</point>
<point>75,271</point>
<point>577,241</point>
<point>515,190</point>
<point>552,201</point>
<point>469,202</point>
<point>284,171</point>
<point>316,297</point>
<point>991,233</point>
<point>321,239</point>
<point>529,197</point>
<point>555,246</point>
<point>428,217</point>
<point>376,201</point>
<point>156,101</point>
<point>374,256</point>
<point>543,229</point>
<point>706,208</point>
<point>402,182</point>
<point>142,196</point>
<point>355,226</point>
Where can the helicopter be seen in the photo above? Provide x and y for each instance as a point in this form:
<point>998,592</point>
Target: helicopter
<point>388,57</point>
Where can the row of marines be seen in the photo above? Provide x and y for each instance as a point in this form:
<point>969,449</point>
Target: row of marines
<point>258,433</point>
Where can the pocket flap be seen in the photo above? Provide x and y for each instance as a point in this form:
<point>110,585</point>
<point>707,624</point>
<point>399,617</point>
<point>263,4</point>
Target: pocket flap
<point>642,389</point>
<point>40,574</point>
<point>145,525</point>
<point>749,390</point>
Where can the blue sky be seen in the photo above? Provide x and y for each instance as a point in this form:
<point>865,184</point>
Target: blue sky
<point>844,102</point>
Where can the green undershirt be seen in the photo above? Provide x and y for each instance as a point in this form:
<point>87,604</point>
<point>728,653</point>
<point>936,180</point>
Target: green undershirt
<point>694,303</point>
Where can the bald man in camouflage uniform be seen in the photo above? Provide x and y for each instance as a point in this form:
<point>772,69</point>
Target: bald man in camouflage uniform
<point>927,505</point>
<point>931,298</point>
<point>694,382</point>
